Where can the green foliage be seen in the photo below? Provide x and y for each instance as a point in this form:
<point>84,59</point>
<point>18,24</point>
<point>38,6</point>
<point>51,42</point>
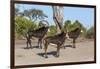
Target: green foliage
<point>34,14</point>
<point>23,25</point>
<point>68,26</point>
<point>90,33</point>
<point>26,20</point>
<point>53,30</point>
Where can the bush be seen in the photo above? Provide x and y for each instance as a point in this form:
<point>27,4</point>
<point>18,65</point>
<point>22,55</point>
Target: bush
<point>90,33</point>
<point>23,25</point>
<point>53,30</point>
<point>68,26</point>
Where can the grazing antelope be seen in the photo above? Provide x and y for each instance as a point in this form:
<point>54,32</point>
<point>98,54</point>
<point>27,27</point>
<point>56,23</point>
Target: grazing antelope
<point>74,35</point>
<point>38,33</point>
<point>58,39</point>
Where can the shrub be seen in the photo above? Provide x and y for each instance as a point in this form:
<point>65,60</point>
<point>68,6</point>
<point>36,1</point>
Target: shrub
<point>90,33</point>
<point>23,25</point>
<point>53,30</point>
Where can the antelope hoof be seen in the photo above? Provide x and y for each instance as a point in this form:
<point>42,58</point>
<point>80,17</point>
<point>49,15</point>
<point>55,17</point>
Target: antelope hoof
<point>64,47</point>
<point>57,55</point>
<point>74,47</point>
<point>46,56</point>
<point>40,47</point>
<point>30,47</point>
<point>26,47</point>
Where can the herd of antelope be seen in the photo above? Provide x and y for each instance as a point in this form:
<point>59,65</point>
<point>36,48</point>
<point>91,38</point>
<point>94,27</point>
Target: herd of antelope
<point>58,39</point>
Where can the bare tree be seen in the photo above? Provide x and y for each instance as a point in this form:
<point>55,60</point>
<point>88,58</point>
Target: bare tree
<point>58,17</point>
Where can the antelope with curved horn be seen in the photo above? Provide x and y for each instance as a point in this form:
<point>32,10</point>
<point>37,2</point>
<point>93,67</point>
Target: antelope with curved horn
<point>74,35</point>
<point>38,33</point>
<point>58,39</point>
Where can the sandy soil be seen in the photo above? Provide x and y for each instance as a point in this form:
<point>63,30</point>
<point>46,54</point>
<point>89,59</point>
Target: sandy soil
<point>84,51</point>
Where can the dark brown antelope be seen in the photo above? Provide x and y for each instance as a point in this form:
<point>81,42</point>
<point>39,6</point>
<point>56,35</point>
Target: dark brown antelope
<point>74,35</point>
<point>38,33</point>
<point>58,39</point>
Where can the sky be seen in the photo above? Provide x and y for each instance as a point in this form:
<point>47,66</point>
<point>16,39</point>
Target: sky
<point>84,15</point>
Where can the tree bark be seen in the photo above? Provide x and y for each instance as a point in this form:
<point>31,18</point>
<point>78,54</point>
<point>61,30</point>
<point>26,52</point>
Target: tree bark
<point>58,17</point>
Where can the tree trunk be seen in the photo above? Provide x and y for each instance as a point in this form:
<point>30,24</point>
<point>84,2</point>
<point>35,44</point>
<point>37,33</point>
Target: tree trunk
<point>58,17</point>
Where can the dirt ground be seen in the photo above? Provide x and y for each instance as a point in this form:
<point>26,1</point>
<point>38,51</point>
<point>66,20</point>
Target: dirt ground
<point>84,51</point>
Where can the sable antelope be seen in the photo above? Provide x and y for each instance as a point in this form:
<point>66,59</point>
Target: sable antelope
<point>38,33</point>
<point>58,39</point>
<point>74,35</point>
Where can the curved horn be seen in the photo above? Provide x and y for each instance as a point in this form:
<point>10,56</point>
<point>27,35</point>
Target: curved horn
<point>44,21</point>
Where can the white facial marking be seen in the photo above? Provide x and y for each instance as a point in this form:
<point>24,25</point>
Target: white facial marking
<point>81,31</point>
<point>48,30</point>
<point>67,36</point>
